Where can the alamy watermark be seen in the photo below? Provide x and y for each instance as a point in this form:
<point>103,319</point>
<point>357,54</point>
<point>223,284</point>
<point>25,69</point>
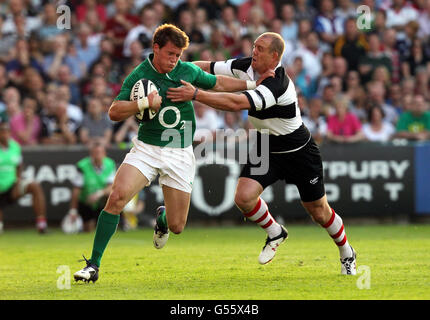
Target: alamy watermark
<point>364,18</point>
<point>63,281</point>
<point>64,20</point>
<point>364,280</point>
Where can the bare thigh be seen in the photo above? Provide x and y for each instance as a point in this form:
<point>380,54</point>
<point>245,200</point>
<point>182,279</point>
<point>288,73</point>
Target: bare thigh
<point>128,181</point>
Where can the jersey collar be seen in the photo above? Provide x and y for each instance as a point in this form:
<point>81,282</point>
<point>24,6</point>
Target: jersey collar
<point>150,57</point>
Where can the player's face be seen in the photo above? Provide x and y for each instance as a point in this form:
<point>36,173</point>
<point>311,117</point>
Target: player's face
<point>262,58</point>
<point>166,58</point>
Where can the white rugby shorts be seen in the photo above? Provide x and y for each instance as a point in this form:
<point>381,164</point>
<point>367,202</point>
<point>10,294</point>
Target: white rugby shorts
<point>176,166</point>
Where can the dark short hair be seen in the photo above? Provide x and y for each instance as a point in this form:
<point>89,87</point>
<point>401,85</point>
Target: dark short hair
<point>370,111</point>
<point>169,32</point>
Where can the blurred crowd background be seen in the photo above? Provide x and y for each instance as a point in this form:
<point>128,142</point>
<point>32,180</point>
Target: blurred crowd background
<point>366,81</point>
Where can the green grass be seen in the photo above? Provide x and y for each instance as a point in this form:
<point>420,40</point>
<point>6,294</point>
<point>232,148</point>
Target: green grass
<point>220,263</point>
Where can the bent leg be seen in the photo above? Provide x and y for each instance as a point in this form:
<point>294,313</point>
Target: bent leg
<point>177,204</point>
<point>253,207</point>
<point>323,214</point>
<point>128,181</point>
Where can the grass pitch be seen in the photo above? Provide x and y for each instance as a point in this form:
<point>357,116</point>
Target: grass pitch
<point>219,263</point>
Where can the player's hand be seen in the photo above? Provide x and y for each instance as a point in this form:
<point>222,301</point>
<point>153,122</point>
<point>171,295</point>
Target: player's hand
<point>267,74</point>
<point>154,100</point>
<point>182,93</point>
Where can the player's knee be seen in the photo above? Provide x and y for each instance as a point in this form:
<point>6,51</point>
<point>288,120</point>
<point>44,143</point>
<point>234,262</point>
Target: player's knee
<point>318,213</point>
<point>243,200</point>
<point>117,200</point>
<point>176,228</point>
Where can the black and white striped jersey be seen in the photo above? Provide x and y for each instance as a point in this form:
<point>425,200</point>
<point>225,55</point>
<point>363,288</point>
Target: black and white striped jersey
<point>274,105</point>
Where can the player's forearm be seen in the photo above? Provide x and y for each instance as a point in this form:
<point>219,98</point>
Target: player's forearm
<point>121,110</point>
<point>223,101</point>
<point>204,65</point>
<point>230,84</point>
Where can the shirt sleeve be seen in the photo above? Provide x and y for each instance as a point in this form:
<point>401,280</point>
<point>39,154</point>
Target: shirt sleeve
<point>127,85</point>
<point>222,68</point>
<point>267,93</point>
<point>202,79</point>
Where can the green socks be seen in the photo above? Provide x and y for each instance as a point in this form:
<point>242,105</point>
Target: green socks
<point>161,219</point>
<point>106,227</point>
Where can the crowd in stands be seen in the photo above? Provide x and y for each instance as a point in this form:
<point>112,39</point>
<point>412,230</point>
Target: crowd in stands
<point>355,81</point>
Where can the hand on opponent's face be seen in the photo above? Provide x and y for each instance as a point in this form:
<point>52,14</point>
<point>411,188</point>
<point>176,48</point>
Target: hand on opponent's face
<point>182,93</point>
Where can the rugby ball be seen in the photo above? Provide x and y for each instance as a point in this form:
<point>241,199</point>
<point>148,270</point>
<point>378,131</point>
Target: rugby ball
<point>71,224</point>
<point>143,88</point>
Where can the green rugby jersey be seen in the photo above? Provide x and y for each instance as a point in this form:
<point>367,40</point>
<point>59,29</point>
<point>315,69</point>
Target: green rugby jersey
<point>10,159</point>
<point>175,123</point>
<point>95,180</point>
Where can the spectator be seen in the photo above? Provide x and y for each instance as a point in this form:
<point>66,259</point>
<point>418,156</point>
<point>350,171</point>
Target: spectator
<point>49,28</point>
<point>399,14</point>
<point>203,25</point>
<point>290,27</point>
<point>255,24</point>
<point>230,27</point>
<point>328,100</point>
<point>376,92</point>
<point>20,62</point>
<point>373,58</point>
<point>74,112</point>
<point>143,32</point>
<point>64,77</point>
<point>12,101</point>
<point>327,24</point>
<point>395,97</point>
<point>311,55</point>
<point>25,127</point>
<point>417,58</point>
<point>415,124</point>
<point>304,11</point>
<point>88,50</point>
<point>245,49</point>
<point>92,6</point>
<point>192,6</point>
<point>302,79</point>
<point>118,26</point>
<point>55,122</point>
<point>377,129</point>
<point>422,86</point>
<point>345,9</point>
<point>17,22</point>
<point>352,45</point>
<point>33,84</point>
<point>390,48</point>
<point>125,130</point>
<point>424,22</point>
<point>60,56</point>
<point>265,6</point>
<point>92,185</point>
<point>315,121</point>
<point>344,126</point>
<point>96,124</point>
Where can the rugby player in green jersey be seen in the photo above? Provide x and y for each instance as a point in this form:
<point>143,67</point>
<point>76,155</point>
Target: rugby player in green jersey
<point>163,145</point>
<point>12,186</point>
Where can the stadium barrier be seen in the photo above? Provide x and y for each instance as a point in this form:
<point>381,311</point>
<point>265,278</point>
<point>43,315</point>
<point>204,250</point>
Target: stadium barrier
<point>362,180</point>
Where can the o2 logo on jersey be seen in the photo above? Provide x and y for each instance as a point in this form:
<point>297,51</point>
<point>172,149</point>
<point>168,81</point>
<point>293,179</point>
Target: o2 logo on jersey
<point>177,118</point>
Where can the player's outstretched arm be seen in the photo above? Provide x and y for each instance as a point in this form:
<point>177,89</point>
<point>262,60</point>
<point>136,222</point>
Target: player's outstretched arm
<point>121,110</point>
<point>218,100</point>
<point>204,65</point>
